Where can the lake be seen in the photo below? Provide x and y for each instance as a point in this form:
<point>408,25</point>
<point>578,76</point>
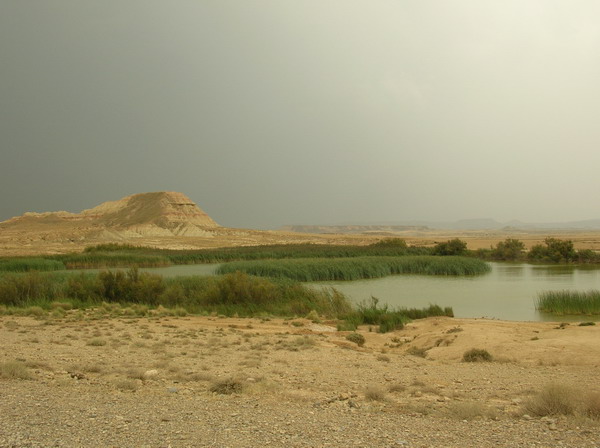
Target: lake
<point>508,292</point>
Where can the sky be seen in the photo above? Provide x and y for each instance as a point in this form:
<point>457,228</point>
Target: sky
<point>274,112</point>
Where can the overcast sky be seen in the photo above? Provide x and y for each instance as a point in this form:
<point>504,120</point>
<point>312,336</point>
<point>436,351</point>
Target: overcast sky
<point>273,112</point>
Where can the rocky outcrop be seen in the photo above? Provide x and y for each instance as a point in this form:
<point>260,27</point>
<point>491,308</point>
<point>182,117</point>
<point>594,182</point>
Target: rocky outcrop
<point>145,214</point>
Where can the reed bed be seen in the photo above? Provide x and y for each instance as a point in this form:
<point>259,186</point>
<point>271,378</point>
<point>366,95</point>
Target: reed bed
<point>99,260</point>
<point>569,302</point>
<point>234,294</point>
<point>336,269</point>
<point>391,247</point>
<point>27,264</point>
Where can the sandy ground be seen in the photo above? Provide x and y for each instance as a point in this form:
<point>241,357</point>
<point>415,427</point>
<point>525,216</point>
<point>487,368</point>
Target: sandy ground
<point>24,241</point>
<point>147,382</point>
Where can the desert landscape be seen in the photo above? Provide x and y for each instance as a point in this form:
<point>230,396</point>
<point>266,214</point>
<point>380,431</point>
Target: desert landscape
<point>171,220</point>
<point>102,380</point>
<point>105,376</point>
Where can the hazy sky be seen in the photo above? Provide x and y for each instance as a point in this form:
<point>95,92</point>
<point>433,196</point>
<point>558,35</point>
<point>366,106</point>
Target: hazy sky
<point>274,112</point>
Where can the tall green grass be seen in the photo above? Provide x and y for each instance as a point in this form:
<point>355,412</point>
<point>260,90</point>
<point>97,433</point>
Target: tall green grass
<point>386,319</point>
<point>311,270</point>
<point>230,294</point>
<point>234,294</point>
<point>569,302</point>
<point>100,260</point>
<point>27,264</point>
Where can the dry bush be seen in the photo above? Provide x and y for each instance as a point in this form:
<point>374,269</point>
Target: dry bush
<point>374,393</point>
<point>357,338</point>
<point>554,399</point>
<point>477,355</point>
<point>96,342</point>
<point>14,370</point>
<point>127,385</point>
<point>227,386</point>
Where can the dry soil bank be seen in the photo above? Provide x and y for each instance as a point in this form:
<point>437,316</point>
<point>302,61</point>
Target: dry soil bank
<point>117,382</point>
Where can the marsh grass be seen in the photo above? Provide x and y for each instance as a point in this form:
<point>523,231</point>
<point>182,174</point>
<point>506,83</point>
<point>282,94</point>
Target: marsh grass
<point>27,264</point>
<point>569,302</point>
<point>346,269</point>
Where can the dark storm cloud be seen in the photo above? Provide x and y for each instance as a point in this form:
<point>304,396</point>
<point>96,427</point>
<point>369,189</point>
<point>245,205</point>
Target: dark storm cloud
<point>273,112</point>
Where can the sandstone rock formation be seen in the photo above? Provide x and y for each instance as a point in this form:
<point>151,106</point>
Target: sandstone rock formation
<point>159,214</point>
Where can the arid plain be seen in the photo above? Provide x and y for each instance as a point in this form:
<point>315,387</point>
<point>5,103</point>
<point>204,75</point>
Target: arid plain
<point>106,378</point>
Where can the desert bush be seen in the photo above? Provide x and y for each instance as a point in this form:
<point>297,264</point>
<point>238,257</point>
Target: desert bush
<point>477,355</point>
<point>554,399</point>
<point>357,338</point>
<point>14,370</point>
<point>227,386</point>
<point>375,393</point>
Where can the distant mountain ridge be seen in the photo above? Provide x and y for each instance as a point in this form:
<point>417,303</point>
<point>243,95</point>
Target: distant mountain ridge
<point>463,224</point>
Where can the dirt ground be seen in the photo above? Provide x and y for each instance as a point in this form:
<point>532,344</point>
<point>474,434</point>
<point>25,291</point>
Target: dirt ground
<point>162,382</point>
<point>23,241</point>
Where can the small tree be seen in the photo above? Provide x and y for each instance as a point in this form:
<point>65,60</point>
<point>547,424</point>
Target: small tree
<point>450,247</point>
<point>509,249</point>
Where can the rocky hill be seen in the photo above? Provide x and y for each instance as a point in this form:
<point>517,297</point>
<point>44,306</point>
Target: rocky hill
<point>159,214</point>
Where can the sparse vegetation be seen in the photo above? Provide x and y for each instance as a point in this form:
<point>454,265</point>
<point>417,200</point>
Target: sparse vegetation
<point>375,393</point>
<point>569,302</point>
<point>357,338</point>
<point>14,370</point>
<point>227,386</point>
<point>477,355</point>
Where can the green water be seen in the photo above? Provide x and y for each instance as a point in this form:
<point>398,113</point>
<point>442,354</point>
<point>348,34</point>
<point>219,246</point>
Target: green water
<point>508,292</point>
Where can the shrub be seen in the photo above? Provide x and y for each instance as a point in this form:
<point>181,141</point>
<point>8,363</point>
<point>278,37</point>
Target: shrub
<point>375,393</point>
<point>227,386</point>
<point>450,247</point>
<point>14,370</point>
<point>477,355</point>
<point>510,249</point>
<point>553,399</point>
<point>357,338</point>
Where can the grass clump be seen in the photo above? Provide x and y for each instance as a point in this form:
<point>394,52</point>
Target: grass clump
<point>554,399</point>
<point>569,302</point>
<point>14,370</point>
<point>477,355</point>
<point>227,386</point>
<point>357,338</point>
<point>558,399</point>
<point>375,393</point>
<point>386,319</point>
